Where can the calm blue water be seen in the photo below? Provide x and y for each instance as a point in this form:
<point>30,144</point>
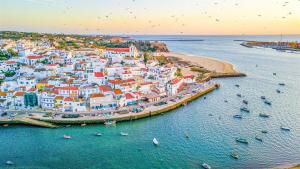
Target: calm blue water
<point>211,137</point>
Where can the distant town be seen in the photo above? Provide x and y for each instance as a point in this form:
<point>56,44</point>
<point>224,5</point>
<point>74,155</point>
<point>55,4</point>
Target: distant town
<point>78,74</point>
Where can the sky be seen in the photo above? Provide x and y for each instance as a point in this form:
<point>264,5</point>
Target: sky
<point>170,17</point>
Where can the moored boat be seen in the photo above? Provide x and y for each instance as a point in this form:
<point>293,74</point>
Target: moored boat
<point>238,116</point>
<point>234,155</point>
<point>245,101</point>
<point>285,128</point>
<point>264,131</point>
<point>238,95</point>
<point>67,137</point>
<point>237,85</point>
<point>258,138</point>
<point>268,102</point>
<point>241,140</point>
<point>278,91</point>
<point>123,134</point>
<point>98,134</point>
<point>263,97</point>
<point>206,166</point>
<point>83,125</point>
<point>9,163</point>
<point>281,84</point>
<point>155,142</point>
<point>245,109</point>
<point>264,115</point>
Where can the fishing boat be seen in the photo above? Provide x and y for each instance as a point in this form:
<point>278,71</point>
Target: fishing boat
<point>268,102</point>
<point>9,163</point>
<point>245,109</point>
<point>264,115</point>
<point>234,155</point>
<point>98,134</point>
<point>281,84</point>
<point>238,116</point>
<point>206,166</point>
<point>264,131</point>
<point>263,97</point>
<point>67,137</point>
<point>155,142</point>
<point>241,140</point>
<point>123,134</point>
<point>239,95</point>
<point>245,101</point>
<point>258,138</point>
<point>285,128</point>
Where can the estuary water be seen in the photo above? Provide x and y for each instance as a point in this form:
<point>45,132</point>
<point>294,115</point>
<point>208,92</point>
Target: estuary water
<point>208,122</point>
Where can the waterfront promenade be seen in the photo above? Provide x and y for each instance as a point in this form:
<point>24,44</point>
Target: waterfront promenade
<point>124,114</point>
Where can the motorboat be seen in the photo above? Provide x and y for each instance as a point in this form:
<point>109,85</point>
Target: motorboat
<point>234,155</point>
<point>9,163</point>
<point>241,140</point>
<point>108,123</point>
<point>264,115</point>
<point>245,109</point>
<point>123,134</point>
<point>258,138</point>
<point>67,137</point>
<point>98,134</point>
<point>155,142</point>
<point>238,116</point>
<point>206,166</point>
<point>285,128</point>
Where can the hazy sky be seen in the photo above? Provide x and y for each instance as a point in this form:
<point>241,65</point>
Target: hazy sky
<point>152,16</point>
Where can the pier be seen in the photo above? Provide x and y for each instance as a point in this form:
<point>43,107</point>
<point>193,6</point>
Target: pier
<point>28,121</point>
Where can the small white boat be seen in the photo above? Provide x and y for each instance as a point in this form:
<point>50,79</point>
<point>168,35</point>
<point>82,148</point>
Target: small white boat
<point>206,166</point>
<point>155,142</point>
<point>98,134</point>
<point>67,137</point>
<point>83,124</point>
<point>123,134</point>
<point>9,163</point>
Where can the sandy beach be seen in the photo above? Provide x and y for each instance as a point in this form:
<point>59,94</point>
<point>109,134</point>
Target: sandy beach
<point>211,64</point>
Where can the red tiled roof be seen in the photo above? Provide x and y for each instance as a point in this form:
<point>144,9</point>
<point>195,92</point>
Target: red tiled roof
<point>94,95</point>
<point>68,99</point>
<point>19,94</point>
<point>188,77</point>
<point>118,91</point>
<point>116,81</point>
<point>128,96</point>
<point>34,57</point>
<point>105,88</point>
<point>98,74</point>
<point>11,62</point>
<point>175,81</point>
<point>118,50</point>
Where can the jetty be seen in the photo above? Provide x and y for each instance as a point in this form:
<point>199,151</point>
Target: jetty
<point>28,121</point>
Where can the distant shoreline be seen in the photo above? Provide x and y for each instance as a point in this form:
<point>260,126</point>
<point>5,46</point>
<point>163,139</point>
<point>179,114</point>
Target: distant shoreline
<point>219,68</point>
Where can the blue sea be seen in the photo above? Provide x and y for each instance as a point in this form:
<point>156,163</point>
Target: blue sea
<point>211,138</point>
